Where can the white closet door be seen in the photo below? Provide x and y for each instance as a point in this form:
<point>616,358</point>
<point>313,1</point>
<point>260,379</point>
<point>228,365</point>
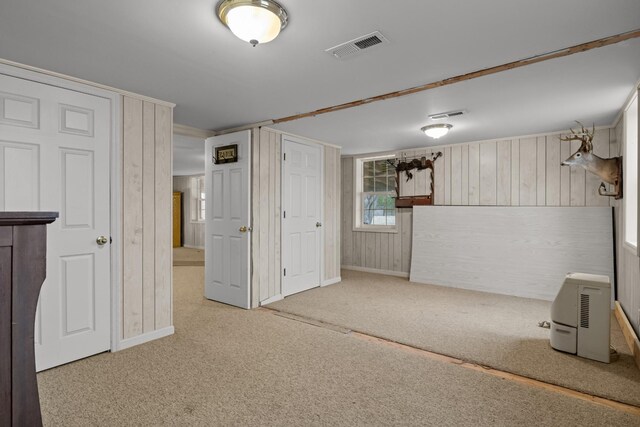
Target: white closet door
<point>301,222</point>
<point>54,156</point>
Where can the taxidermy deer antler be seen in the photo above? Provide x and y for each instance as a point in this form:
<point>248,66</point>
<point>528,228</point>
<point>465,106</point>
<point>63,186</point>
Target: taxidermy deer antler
<point>584,135</point>
<point>419,164</point>
<point>610,170</point>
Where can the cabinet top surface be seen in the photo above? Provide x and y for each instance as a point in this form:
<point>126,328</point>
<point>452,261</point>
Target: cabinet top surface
<point>26,218</point>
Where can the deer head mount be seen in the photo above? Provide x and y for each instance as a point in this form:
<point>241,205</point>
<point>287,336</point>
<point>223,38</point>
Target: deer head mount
<point>609,170</point>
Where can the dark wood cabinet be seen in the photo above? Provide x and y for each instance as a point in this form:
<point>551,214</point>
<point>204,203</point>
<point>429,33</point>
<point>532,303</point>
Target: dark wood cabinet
<point>23,247</point>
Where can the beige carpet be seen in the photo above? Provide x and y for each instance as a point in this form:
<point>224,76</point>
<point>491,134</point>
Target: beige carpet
<point>227,366</point>
<point>493,330</point>
<point>188,257</point>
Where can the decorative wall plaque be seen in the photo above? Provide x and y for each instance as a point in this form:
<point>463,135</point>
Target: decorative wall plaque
<point>226,154</point>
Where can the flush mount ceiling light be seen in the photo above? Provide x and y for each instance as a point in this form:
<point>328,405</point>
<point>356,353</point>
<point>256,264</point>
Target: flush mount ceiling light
<point>436,131</point>
<point>254,21</point>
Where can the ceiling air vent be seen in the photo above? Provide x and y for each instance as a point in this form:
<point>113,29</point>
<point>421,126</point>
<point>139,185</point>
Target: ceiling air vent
<point>446,115</point>
<point>354,46</point>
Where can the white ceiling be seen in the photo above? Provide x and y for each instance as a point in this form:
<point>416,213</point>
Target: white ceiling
<point>549,96</point>
<point>179,52</point>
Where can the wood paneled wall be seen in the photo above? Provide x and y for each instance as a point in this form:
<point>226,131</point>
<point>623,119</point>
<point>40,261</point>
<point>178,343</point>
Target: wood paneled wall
<point>505,172</point>
<point>266,158</point>
<point>627,263</point>
<point>331,221</point>
<point>192,232</point>
<point>267,211</point>
<point>146,286</point>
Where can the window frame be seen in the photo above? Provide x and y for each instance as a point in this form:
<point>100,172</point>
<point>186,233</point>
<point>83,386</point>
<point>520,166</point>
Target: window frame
<point>196,190</point>
<point>359,194</point>
<point>629,246</point>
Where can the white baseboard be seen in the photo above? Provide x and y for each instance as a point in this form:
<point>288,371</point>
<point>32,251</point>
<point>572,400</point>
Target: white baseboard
<point>141,339</point>
<point>272,299</point>
<point>193,247</point>
<point>377,271</point>
<point>331,281</point>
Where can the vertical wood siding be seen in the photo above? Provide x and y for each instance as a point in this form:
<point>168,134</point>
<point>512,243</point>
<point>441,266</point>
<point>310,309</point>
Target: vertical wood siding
<point>506,172</point>
<point>331,220</point>
<point>148,216</point>
<point>146,287</point>
<point>163,217</point>
<point>132,226</point>
<point>266,212</point>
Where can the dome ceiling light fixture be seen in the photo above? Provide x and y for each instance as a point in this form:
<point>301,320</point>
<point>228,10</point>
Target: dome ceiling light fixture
<point>436,131</point>
<point>254,21</point>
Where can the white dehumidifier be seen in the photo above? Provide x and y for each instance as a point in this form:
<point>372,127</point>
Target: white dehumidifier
<point>581,316</point>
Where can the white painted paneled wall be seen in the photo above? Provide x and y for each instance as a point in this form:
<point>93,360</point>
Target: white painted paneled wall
<point>521,251</point>
<point>192,232</point>
<point>505,172</point>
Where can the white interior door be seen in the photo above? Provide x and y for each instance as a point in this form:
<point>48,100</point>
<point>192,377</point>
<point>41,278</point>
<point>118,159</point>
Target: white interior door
<point>227,224</point>
<point>54,156</point>
<point>302,216</point>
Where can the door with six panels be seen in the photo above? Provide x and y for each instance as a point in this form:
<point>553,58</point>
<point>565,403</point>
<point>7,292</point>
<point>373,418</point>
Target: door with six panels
<point>54,156</point>
<point>302,215</point>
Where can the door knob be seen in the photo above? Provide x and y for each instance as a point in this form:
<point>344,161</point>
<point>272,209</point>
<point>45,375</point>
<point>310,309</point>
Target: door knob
<point>244,229</point>
<point>102,240</point>
<point>318,224</point>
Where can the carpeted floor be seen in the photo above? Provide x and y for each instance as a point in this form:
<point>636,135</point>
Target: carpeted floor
<point>493,330</point>
<point>187,256</point>
<point>227,366</point>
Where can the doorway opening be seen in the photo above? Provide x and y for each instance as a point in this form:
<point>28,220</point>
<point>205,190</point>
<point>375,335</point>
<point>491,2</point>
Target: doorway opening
<point>189,206</point>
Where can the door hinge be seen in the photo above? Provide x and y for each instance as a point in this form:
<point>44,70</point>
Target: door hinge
<point>284,157</point>
<point>284,214</point>
<point>285,272</point>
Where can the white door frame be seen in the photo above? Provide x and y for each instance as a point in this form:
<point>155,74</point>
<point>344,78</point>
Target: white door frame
<point>309,143</point>
<point>115,100</point>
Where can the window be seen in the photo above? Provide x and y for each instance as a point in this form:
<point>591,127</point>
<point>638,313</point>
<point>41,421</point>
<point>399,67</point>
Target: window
<point>630,174</point>
<point>375,194</point>
<point>197,199</point>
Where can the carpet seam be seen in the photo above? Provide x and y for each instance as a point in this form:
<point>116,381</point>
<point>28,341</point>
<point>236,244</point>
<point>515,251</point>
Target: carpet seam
<point>312,322</point>
<point>471,365</point>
